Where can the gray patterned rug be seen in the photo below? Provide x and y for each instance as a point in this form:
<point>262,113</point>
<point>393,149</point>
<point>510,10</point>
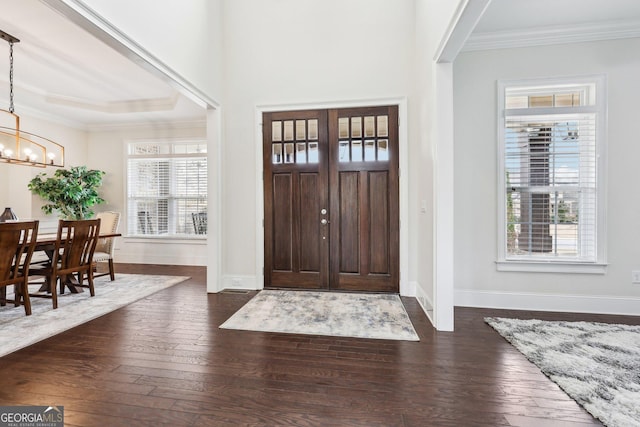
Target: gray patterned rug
<point>325,313</point>
<point>596,364</point>
<point>19,331</point>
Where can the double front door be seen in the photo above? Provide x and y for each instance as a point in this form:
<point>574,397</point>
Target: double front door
<point>331,199</point>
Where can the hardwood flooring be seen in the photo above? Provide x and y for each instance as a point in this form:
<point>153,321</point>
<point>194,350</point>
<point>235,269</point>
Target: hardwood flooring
<point>164,361</point>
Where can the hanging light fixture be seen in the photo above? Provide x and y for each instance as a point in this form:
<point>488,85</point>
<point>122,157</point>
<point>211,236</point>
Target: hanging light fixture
<point>16,145</point>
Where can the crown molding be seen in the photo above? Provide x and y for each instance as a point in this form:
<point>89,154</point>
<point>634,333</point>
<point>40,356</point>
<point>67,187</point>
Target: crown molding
<point>116,107</point>
<point>159,125</point>
<point>550,35</point>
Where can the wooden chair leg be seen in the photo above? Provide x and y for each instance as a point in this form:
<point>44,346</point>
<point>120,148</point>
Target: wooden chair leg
<point>3,296</point>
<point>24,294</point>
<point>90,281</point>
<point>112,272</point>
<point>54,292</point>
<point>17,295</point>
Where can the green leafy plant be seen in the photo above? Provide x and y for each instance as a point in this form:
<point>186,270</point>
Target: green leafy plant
<point>70,192</point>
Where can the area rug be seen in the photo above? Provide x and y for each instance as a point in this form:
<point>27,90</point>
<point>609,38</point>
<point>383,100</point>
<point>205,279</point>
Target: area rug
<point>18,331</point>
<point>596,364</point>
<point>325,313</point>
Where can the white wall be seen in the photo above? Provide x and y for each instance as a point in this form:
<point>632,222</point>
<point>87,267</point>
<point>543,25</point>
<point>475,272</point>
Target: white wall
<point>476,280</point>
<point>107,153</point>
<point>305,53</point>
<point>300,52</point>
<point>432,270</point>
<point>184,35</point>
<point>184,41</point>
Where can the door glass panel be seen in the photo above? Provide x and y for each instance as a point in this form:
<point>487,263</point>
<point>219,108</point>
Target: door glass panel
<point>344,151</point>
<point>343,127</point>
<point>369,150</point>
<point>356,127</point>
<point>276,131</point>
<point>313,152</point>
<point>288,152</point>
<point>369,126</point>
<point>313,129</point>
<point>383,126</point>
<point>301,131</point>
<point>383,149</point>
<point>356,151</point>
<point>277,153</point>
<point>288,130</point>
<point>301,152</point>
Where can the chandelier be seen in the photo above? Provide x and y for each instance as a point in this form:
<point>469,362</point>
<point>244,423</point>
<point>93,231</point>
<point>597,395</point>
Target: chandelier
<point>16,145</point>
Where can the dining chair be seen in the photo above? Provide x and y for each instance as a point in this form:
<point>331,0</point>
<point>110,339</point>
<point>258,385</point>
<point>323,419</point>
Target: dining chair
<point>17,242</point>
<point>105,247</point>
<point>73,254</point>
<point>199,222</point>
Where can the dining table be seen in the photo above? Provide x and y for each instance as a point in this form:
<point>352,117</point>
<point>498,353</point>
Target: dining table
<point>46,242</point>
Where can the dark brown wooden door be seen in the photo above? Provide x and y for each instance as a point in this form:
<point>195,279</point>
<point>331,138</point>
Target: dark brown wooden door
<point>363,177</point>
<point>331,199</point>
<point>295,153</point>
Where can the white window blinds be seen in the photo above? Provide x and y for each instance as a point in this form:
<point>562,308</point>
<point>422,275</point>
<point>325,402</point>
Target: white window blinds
<point>550,167</point>
<point>167,188</point>
<point>550,173</point>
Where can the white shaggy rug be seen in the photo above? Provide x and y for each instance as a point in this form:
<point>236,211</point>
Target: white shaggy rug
<point>325,313</point>
<point>18,330</point>
<point>596,364</point>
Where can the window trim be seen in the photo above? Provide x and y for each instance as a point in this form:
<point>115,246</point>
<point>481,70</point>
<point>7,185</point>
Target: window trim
<point>598,266</point>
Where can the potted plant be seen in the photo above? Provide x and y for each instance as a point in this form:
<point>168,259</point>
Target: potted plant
<point>71,192</point>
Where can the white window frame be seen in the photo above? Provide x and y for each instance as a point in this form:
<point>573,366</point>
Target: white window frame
<point>563,265</point>
<point>156,236</point>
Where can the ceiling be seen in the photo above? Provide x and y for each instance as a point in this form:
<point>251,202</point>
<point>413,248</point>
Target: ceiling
<point>516,23</point>
<point>64,73</point>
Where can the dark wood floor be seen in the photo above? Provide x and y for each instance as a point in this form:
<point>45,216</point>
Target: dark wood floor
<point>164,361</point>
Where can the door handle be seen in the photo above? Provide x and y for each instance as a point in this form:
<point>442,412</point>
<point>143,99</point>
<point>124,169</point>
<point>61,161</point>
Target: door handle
<point>324,221</point>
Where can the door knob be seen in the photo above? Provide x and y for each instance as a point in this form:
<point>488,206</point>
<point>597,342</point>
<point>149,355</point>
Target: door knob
<point>324,221</point>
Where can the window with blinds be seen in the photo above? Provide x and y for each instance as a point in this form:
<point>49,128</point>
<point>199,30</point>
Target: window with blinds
<point>550,172</point>
<point>167,188</point>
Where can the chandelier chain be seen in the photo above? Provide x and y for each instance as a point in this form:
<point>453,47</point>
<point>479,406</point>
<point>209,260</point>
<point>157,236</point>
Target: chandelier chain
<point>11,108</point>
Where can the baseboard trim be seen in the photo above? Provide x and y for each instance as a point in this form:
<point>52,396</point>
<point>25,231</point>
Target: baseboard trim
<point>408,289</point>
<point>244,282</point>
<point>425,302</point>
<point>597,304</point>
<point>135,258</point>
